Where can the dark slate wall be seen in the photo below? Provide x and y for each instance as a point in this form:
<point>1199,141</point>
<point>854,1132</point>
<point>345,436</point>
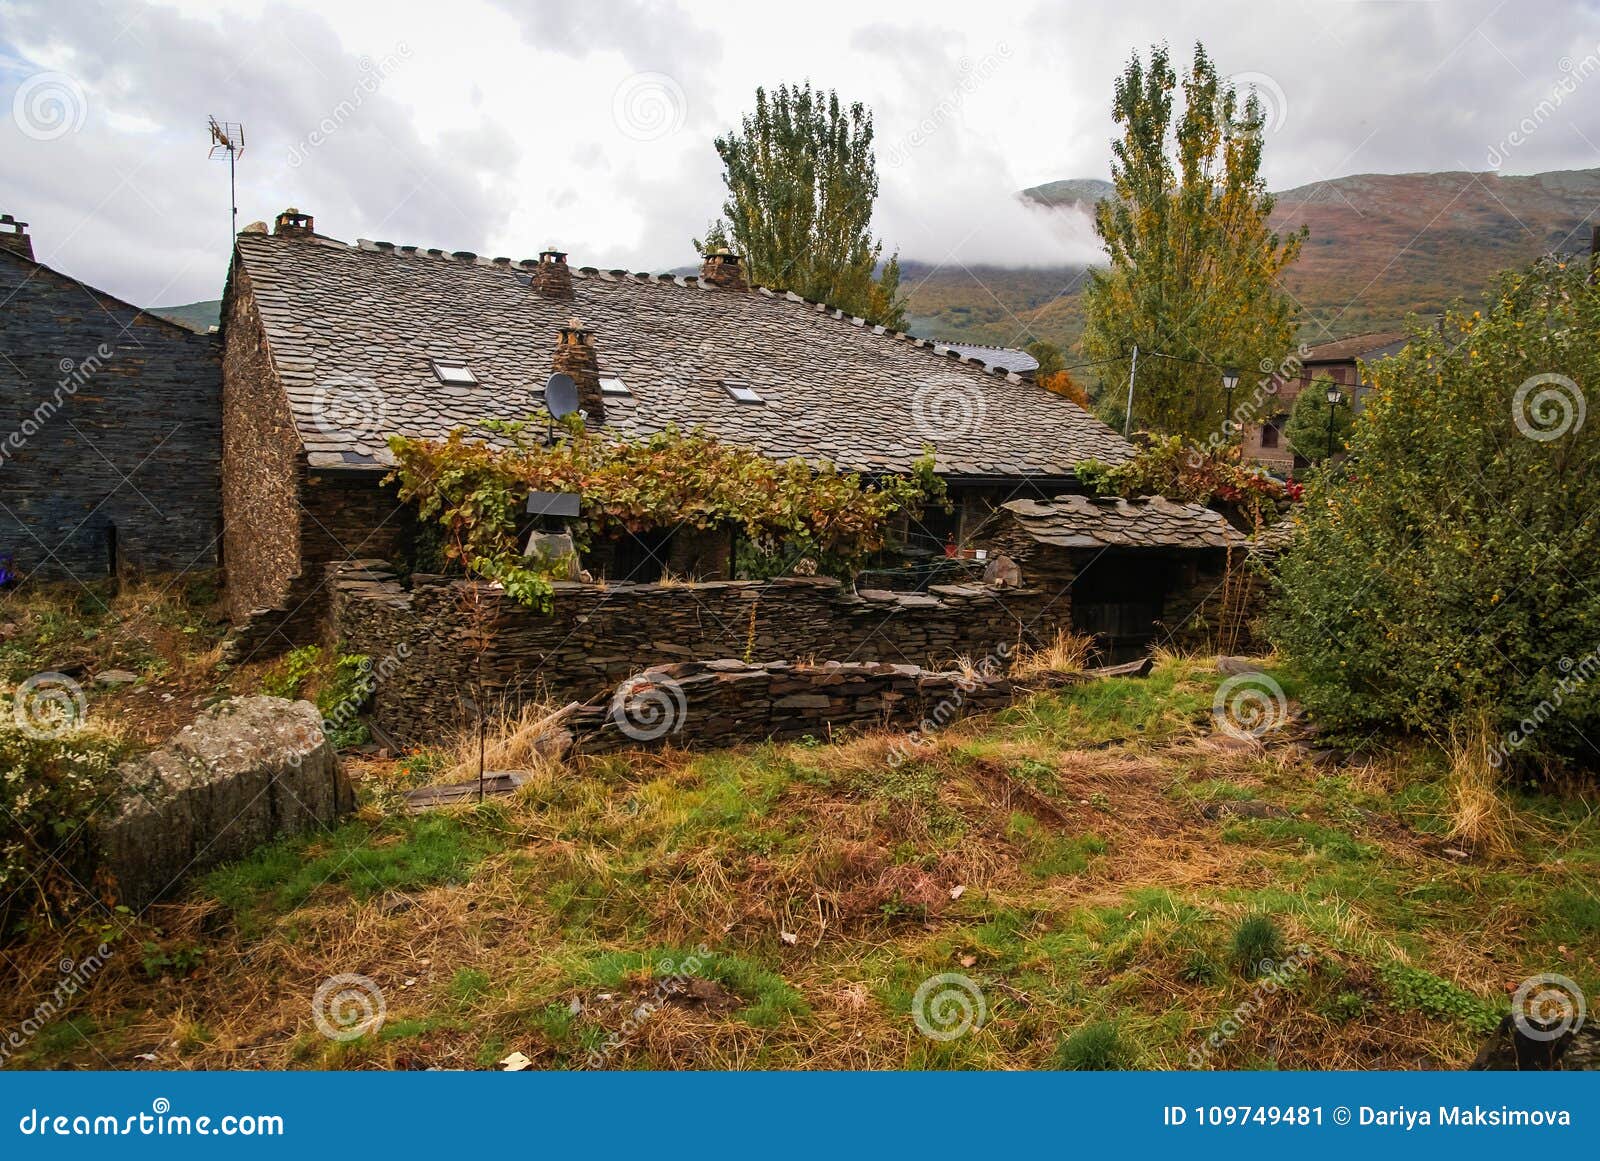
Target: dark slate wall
<point>109,419</point>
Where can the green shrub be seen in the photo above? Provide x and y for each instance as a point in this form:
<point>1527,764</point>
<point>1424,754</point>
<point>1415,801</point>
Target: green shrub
<point>1095,1047</point>
<point>1443,574</point>
<point>48,787</point>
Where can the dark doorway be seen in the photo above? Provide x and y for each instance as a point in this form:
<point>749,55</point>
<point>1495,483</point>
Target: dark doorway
<point>639,557</point>
<point>1118,596</point>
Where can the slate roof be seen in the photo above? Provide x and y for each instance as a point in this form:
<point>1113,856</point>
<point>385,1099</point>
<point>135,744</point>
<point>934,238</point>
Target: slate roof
<point>1357,347</point>
<point>351,330</point>
<point>1006,358</point>
<point>1112,522</point>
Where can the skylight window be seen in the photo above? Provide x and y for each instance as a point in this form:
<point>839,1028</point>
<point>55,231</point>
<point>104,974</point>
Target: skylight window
<point>612,385</point>
<point>741,391</point>
<point>453,371</point>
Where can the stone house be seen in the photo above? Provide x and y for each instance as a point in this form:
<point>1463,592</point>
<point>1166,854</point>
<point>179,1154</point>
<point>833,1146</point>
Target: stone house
<point>1136,572</point>
<point>110,429</point>
<point>1264,442</point>
<point>330,347</point>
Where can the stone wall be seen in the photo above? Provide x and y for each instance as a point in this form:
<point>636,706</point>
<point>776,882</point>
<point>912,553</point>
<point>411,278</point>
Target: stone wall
<point>598,635</point>
<point>711,704</point>
<point>109,432</point>
<point>261,546</point>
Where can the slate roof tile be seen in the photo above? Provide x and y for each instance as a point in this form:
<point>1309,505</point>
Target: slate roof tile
<point>1112,522</point>
<point>352,329</point>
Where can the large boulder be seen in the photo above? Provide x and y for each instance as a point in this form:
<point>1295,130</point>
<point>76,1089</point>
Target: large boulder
<point>248,771</point>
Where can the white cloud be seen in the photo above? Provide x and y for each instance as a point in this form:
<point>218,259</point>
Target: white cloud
<point>500,130</point>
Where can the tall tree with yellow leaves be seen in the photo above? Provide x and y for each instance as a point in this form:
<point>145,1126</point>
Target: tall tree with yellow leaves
<point>1192,278</point>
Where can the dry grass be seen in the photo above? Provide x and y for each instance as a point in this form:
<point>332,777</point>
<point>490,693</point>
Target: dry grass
<point>1073,882</point>
<point>1067,652</point>
<point>515,739</point>
<point>1479,816</point>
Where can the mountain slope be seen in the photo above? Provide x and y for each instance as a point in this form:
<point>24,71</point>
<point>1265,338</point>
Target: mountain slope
<point>1382,246</point>
<point>197,316</point>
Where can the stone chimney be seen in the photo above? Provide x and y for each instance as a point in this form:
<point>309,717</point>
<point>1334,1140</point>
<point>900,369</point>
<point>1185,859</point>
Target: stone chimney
<point>552,278</point>
<point>293,224</point>
<point>575,357</point>
<point>14,237</point>
<point>721,268</point>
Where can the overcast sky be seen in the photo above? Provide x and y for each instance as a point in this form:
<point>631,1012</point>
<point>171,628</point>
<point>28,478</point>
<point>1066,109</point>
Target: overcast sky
<point>501,127</point>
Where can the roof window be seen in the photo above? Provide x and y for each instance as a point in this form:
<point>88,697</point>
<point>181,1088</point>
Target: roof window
<point>454,372</point>
<point>741,391</point>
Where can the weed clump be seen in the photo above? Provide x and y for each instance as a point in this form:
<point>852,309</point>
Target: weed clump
<point>1257,945</point>
<point>1095,1047</point>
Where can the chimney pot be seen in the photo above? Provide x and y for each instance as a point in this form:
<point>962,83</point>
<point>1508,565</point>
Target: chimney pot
<point>721,269</point>
<point>575,356</point>
<point>552,277</point>
<point>14,237</point>
<point>293,224</point>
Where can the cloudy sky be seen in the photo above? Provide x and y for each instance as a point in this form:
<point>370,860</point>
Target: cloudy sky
<point>501,127</point>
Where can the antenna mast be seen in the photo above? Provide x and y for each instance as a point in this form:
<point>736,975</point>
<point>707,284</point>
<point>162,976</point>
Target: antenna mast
<point>227,137</point>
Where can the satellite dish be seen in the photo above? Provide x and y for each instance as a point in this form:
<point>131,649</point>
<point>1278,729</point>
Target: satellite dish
<point>560,396</point>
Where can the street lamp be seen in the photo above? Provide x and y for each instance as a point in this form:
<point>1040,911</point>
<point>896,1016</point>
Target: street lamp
<point>1335,397</point>
<point>1230,380</point>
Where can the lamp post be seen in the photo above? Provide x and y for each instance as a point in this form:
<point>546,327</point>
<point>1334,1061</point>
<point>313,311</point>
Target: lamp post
<point>1230,380</point>
<point>1335,397</point>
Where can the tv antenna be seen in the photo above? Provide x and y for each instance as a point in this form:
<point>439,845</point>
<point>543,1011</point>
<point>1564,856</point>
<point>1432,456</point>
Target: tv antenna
<point>560,399</point>
<point>228,137</point>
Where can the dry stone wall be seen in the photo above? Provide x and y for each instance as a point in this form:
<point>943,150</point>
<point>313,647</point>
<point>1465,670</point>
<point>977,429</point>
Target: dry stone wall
<point>710,704</point>
<point>599,635</point>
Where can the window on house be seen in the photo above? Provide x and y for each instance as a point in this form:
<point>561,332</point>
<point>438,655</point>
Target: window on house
<point>453,371</point>
<point>612,385</point>
<point>741,391</point>
<point>1271,431</point>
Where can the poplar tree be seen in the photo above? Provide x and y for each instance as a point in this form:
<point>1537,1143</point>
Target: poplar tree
<point>802,178</point>
<point>1193,269</point>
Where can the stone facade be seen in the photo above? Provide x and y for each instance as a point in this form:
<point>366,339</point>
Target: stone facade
<point>110,436</point>
<point>598,635</point>
<point>285,521</point>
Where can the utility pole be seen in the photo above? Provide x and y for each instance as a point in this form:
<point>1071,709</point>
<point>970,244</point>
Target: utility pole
<point>1127,422</point>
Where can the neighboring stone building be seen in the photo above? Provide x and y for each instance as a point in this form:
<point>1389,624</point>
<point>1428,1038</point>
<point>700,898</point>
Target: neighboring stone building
<point>1139,572</point>
<point>330,347</point>
<point>110,423</point>
<point>1264,442</point>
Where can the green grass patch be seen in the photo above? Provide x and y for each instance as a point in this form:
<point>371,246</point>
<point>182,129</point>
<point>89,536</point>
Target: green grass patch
<point>403,854</point>
<point>769,999</point>
<point>1095,1047</point>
